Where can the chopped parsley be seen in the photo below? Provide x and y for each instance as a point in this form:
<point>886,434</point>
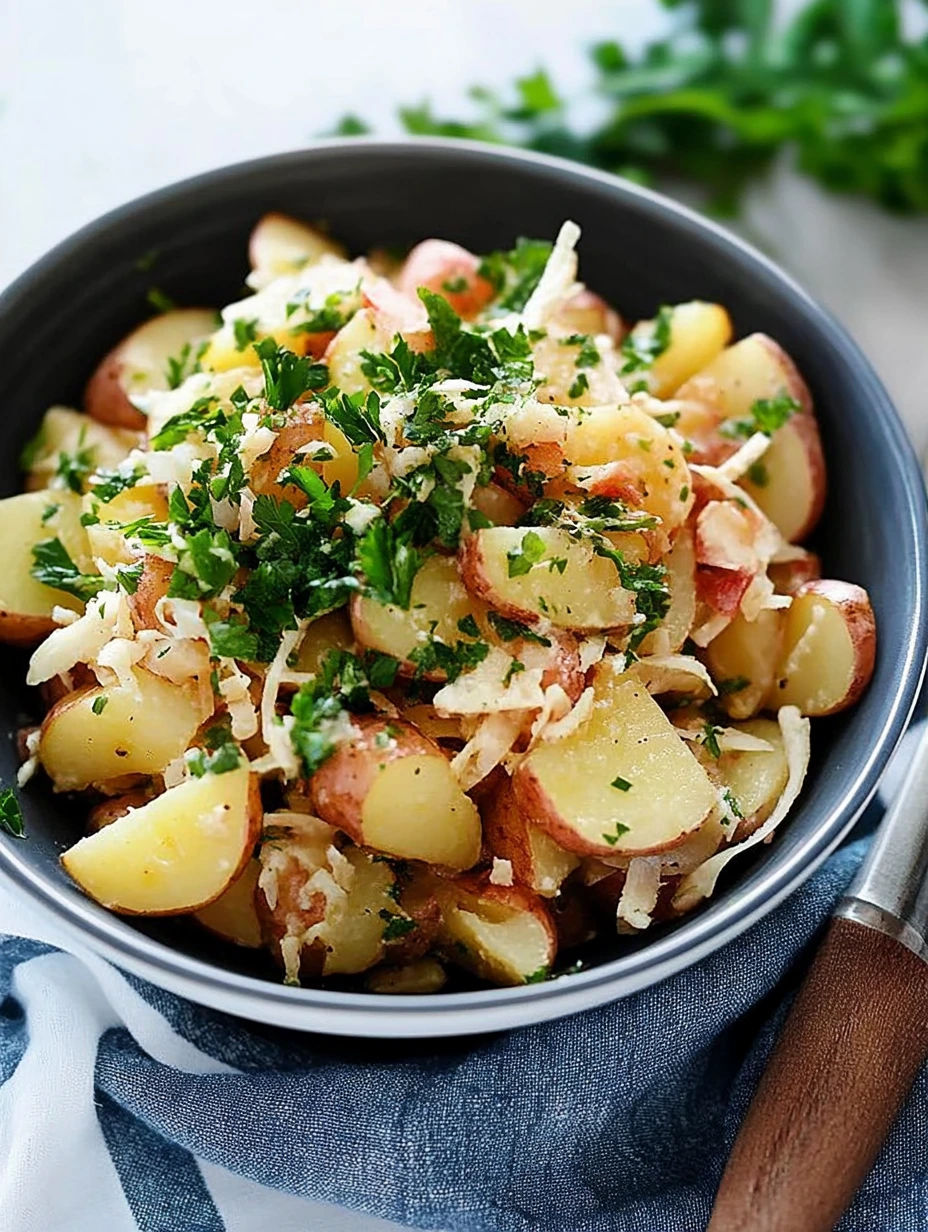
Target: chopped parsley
<point>620,829</point>
<point>436,656</point>
<point>73,469</point>
<point>523,559</point>
<point>468,626</point>
<point>11,814</point>
<point>514,668</point>
<point>538,977</point>
<point>710,739</point>
<point>159,300</point>
<point>514,275</point>
<point>643,345</point>
<point>620,784</point>
<point>53,566</point>
<point>579,387</point>
<point>397,926</point>
<point>49,512</point>
<point>767,415</point>
<point>509,630</point>
<point>182,365</point>
<point>245,333</point>
<point>106,485</point>
<point>758,474</point>
<point>287,376</point>
<point>99,704</point>
<point>220,756</point>
<point>732,803</point>
<point>389,562</point>
<point>230,639</point>
<point>734,684</point>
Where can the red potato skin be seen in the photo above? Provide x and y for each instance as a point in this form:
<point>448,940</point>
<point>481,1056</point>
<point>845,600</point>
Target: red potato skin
<point>106,400</point>
<point>433,263</point>
<point>340,785</point>
<point>305,424</point>
<point>153,585</point>
<point>108,811</point>
<point>52,691</point>
<point>395,313</point>
<point>588,313</point>
<point>18,630</point>
<point>722,589</point>
<point>505,832</point>
<point>421,905</point>
<point>519,897</point>
<point>790,576</point>
<point>854,604</point>
<point>273,922</point>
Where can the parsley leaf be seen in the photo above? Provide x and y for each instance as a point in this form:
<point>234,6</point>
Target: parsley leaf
<point>509,630</point>
<point>287,376</point>
<point>389,562</point>
<point>522,560</point>
<point>53,566</point>
<point>11,814</point>
<point>620,784</point>
<point>230,638</point>
<point>767,415</point>
<point>514,275</point>
<point>397,925</point>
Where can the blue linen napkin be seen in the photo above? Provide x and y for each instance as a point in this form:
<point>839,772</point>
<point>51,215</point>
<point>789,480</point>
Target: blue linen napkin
<point>618,1119</point>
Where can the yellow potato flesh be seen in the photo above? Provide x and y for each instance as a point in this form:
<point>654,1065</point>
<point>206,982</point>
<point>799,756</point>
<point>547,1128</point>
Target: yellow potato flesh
<point>415,979</point>
<point>108,543</point>
<point>232,915</point>
<point>629,738</point>
<point>344,354</point>
<point>698,332</point>
<point>738,377</point>
<point>354,939</point>
<point>21,528</point>
<point>416,810</point>
<point>551,864</point>
<point>172,855</point>
<point>136,732</point>
<point>746,652</point>
<point>791,478</point>
<point>145,353</point>
<point>328,633</point>
<point>677,621</point>
<point>281,245</point>
<point>756,779</point>
<point>439,600</point>
<point>587,594</point>
<point>65,431</point>
<point>497,943</point>
<point>819,659</point>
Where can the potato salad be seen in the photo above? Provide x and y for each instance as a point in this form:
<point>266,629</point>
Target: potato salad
<point>418,616</point>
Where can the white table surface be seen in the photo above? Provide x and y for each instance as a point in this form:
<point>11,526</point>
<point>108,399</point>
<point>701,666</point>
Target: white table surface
<point>102,101</point>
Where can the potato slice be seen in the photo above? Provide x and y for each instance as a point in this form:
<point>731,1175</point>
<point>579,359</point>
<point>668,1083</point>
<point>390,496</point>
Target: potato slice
<point>137,732</point>
<point>537,861</point>
<point>698,332</point>
<point>174,854</point>
<point>142,361</point>
<point>568,585</point>
<point>415,979</point>
<point>282,245</point>
<point>743,660</point>
<point>623,783</point>
<point>641,462</point>
<point>26,604</point>
<point>327,633</point>
<point>438,603</point>
<point>755,779</point>
<point>343,354</point>
<point>503,934</point>
<point>392,789</point>
<point>232,916</point>
<point>675,626</point>
<point>789,482</point>
<point>108,542</point>
<point>728,386</point>
<point>829,648</point>
<point>69,432</point>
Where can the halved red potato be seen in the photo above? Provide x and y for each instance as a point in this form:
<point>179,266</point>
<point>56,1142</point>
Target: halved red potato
<point>26,604</point>
<point>295,445</point>
<point>108,543</point>
<point>789,483</point>
<point>503,934</point>
<point>448,270</point>
<point>789,575</point>
<point>568,584</point>
<point>829,648</point>
<point>698,332</point>
<point>419,978</point>
<point>623,452</point>
<point>537,861</point>
<point>174,854</point>
<point>585,312</point>
<point>495,503</point>
<point>439,601</point>
<point>344,353</point>
<point>677,621</point>
<point>756,779</point>
<point>743,660</point>
<point>392,789</point>
<point>138,731</point>
<point>282,245</point>
<point>623,783</point>
<point>141,362</point>
<point>232,916</point>
<point>74,434</point>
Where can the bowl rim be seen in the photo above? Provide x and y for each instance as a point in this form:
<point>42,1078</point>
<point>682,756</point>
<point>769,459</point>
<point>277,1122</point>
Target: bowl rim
<point>86,925</point>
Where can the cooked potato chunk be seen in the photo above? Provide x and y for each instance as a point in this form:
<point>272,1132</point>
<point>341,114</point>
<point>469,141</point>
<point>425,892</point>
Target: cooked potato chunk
<point>232,916</point>
<point>623,783</point>
<point>26,604</point>
<point>174,854</point>
<point>789,481</point>
<point>502,934</point>
<point>543,574</point>
<point>727,388</point>
<point>756,779</point>
<point>107,541</point>
<point>137,731</point>
<point>677,621</point>
<point>281,245</point>
<point>438,603</point>
<point>79,438</point>
<point>536,860</point>
<point>698,332</point>
<point>829,648</point>
<point>415,979</point>
<point>343,354</point>
<point>153,356</point>
<point>328,633</point>
<point>743,660</point>
<point>392,789</point>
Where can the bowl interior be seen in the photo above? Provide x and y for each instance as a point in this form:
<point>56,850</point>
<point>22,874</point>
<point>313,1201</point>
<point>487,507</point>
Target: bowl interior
<point>636,250</point>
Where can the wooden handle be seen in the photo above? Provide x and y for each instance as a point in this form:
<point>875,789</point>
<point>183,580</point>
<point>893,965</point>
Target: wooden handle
<point>849,1053</point>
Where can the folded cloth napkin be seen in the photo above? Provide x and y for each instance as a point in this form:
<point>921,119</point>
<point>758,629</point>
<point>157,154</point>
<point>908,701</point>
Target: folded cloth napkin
<point>123,1107</point>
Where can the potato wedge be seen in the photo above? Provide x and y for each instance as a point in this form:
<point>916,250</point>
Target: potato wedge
<point>755,779</point>
<point>438,603</point>
<point>743,659</point>
<point>503,934</point>
<point>174,854</point>
<point>415,979</point>
<point>568,585</point>
<point>829,649</point>
<point>392,790</point>
<point>232,916</point>
<point>282,245</point>
<point>75,435</point>
<point>698,332</point>
<point>305,426</point>
<point>756,367</point>
<point>789,482</point>
<point>537,861</point>
<point>623,783</point>
<point>143,361</point>
<point>107,542</point>
<point>137,732</point>
<point>327,633</point>
<point>26,604</point>
<point>343,354</point>
<point>677,621</point>
<point>441,266</point>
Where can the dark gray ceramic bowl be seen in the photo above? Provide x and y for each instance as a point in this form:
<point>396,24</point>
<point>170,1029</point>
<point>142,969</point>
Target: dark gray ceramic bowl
<point>639,250</point>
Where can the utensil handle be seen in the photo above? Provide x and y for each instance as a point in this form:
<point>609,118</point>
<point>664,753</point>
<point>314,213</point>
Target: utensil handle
<point>848,1055</point>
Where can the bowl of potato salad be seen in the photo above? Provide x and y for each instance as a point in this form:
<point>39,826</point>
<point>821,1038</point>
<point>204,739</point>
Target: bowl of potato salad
<point>444,588</point>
